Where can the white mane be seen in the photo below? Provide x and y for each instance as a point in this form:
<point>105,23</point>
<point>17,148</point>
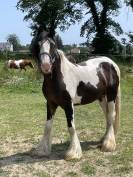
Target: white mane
<point>61,54</point>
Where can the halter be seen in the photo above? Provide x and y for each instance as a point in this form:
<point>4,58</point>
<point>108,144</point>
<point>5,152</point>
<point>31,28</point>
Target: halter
<point>52,59</point>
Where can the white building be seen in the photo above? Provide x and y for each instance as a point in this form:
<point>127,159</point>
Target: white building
<point>6,46</point>
<point>75,50</point>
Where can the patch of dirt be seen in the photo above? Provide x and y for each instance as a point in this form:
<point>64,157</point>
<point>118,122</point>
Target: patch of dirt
<point>14,160</point>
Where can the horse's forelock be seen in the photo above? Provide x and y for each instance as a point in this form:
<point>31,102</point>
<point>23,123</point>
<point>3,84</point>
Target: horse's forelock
<point>43,35</point>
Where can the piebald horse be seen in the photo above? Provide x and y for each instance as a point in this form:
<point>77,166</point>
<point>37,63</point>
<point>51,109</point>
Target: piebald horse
<point>67,84</point>
<point>19,64</point>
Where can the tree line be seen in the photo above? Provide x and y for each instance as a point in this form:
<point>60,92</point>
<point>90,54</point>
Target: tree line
<point>100,27</point>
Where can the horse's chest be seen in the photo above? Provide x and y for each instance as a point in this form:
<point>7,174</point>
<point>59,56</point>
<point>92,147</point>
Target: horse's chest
<point>52,92</point>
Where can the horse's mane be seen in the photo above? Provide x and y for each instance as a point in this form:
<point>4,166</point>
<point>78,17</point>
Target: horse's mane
<point>61,53</point>
<point>69,58</point>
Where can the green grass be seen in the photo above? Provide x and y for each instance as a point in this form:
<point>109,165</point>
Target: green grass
<point>22,116</point>
<point>72,174</point>
<point>88,169</point>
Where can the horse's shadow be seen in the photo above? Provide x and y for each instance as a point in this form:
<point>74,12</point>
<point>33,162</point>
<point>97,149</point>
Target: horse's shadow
<point>58,151</point>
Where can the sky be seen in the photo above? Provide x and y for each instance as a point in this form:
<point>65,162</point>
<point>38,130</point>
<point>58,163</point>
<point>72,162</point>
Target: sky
<point>11,21</point>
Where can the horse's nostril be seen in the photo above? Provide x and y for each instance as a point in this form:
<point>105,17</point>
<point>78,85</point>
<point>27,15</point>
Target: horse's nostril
<point>45,67</point>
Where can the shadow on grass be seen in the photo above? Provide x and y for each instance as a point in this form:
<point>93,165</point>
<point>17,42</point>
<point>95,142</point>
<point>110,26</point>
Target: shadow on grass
<point>58,151</point>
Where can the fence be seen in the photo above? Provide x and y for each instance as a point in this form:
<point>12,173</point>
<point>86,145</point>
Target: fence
<point>125,59</point>
<point>79,57</point>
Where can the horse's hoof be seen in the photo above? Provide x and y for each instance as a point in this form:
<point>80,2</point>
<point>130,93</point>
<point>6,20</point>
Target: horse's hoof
<point>73,156</point>
<point>35,152</point>
<point>108,146</point>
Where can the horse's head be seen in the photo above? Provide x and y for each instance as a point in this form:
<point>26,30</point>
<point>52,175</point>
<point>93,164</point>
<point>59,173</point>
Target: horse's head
<point>46,51</point>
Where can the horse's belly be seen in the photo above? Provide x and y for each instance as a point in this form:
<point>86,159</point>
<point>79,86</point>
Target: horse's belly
<point>77,99</point>
<point>87,94</point>
<point>12,65</point>
<point>86,99</point>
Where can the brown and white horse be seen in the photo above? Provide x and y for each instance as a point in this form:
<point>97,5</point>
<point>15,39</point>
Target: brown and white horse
<point>19,64</point>
<point>67,84</point>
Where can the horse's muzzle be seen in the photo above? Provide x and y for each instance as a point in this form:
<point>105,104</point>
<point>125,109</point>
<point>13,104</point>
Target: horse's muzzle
<point>46,68</point>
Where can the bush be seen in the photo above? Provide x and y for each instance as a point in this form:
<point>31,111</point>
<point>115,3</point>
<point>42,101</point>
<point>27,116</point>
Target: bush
<point>3,55</point>
<point>15,55</point>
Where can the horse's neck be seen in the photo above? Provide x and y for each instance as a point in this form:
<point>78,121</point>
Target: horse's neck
<point>55,76</point>
<point>62,67</point>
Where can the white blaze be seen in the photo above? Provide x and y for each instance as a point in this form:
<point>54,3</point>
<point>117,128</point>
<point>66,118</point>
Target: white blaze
<point>45,48</point>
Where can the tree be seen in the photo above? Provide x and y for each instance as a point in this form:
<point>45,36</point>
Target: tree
<point>101,25</point>
<point>50,13</point>
<point>129,3</point>
<point>14,40</point>
<point>130,35</point>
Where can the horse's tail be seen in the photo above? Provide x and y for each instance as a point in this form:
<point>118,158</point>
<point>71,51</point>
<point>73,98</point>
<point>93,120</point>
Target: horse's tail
<point>117,109</point>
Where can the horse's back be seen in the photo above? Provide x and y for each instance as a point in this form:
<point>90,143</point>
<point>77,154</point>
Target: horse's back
<point>98,60</point>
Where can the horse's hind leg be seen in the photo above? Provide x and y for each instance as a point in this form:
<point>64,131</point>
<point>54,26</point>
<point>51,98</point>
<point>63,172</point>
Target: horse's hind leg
<point>103,104</point>
<point>44,147</point>
<point>74,151</point>
<point>109,143</point>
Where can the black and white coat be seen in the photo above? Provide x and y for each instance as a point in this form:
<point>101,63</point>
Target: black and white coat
<point>67,84</point>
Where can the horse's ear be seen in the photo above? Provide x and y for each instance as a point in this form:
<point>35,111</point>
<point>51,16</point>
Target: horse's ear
<point>51,34</point>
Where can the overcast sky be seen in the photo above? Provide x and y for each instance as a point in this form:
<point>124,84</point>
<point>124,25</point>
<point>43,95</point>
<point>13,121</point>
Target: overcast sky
<point>11,21</point>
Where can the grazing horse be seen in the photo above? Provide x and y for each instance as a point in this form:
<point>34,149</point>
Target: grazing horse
<point>19,64</point>
<point>67,84</point>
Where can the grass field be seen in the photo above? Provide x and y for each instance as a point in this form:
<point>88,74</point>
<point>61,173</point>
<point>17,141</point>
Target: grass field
<point>22,115</point>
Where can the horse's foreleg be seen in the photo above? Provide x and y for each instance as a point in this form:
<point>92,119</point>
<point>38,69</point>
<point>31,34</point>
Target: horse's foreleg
<point>44,147</point>
<point>109,143</point>
<point>31,65</point>
<point>74,151</point>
